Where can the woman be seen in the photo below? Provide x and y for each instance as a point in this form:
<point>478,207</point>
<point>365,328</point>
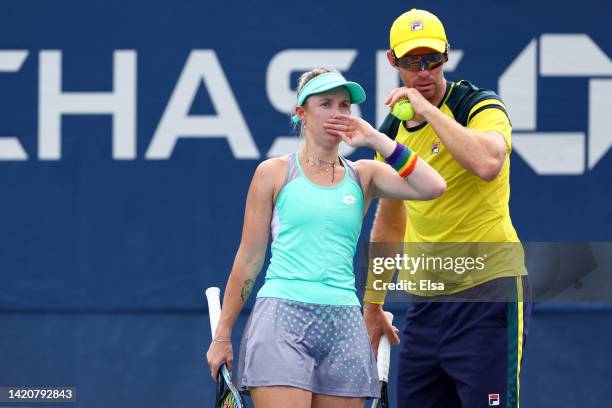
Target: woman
<point>305,344</point>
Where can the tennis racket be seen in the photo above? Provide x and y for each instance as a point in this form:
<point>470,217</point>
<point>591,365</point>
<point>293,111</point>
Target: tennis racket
<point>227,395</point>
<point>382,363</point>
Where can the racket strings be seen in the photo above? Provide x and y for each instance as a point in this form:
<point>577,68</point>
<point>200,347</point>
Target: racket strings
<point>229,402</point>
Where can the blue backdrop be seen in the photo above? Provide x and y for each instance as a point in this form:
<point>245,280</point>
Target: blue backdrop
<point>130,131</point>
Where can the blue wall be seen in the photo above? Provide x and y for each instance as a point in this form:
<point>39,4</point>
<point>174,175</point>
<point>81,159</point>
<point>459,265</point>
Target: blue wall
<point>107,245</point>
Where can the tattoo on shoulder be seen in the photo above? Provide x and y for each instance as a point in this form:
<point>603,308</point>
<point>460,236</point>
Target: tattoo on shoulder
<point>247,287</point>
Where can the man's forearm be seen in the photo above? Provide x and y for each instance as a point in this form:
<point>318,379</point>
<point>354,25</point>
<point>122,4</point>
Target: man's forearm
<point>480,153</point>
<point>389,221</point>
<point>388,228</point>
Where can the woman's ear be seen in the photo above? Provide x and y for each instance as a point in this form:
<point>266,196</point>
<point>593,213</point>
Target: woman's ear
<point>299,111</point>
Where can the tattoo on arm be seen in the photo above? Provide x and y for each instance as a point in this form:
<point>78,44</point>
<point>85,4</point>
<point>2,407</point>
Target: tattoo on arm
<point>246,289</point>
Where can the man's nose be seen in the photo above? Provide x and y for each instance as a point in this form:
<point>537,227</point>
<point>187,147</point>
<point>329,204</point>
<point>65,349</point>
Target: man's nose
<point>423,73</point>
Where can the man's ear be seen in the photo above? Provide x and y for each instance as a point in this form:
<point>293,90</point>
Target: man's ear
<point>391,59</point>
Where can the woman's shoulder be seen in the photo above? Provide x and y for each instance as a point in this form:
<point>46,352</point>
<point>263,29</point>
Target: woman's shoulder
<point>271,173</point>
<point>273,165</point>
<point>363,165</point>
<point>366,168</point>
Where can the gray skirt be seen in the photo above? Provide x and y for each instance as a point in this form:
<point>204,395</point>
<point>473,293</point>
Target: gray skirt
<point>320,348</point>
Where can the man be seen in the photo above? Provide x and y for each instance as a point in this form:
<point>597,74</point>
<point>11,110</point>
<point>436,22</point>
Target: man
<point>454,354</point>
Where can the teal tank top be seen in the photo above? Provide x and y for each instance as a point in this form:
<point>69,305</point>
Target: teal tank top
<point>314,237</point>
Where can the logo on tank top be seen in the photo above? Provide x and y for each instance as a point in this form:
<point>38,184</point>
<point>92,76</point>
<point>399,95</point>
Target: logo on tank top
<point>493,400</point>
<point>349,199</point>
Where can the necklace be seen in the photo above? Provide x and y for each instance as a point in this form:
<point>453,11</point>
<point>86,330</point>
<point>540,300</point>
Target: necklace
<point>324,165</point>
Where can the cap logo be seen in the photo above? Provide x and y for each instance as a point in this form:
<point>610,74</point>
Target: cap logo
<point>416,25</point>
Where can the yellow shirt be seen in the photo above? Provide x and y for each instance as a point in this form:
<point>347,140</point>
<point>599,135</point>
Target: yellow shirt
<point>471,210</point>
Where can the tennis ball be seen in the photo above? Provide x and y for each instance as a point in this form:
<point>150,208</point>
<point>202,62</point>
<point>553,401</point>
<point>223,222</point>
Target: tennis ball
<point>403,110</point>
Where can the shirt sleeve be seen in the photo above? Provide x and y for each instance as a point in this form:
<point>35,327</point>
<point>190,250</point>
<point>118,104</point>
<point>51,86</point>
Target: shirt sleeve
<point>490,115</point>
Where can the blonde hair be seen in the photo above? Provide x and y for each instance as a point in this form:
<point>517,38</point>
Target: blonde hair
<point>303,80</point>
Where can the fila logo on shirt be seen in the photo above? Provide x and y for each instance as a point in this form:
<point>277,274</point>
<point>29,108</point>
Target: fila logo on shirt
<point>349,199</point>
<point>435,148</point>
<point>493,399</point>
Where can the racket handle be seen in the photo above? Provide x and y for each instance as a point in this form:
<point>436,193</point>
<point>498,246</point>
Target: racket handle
<point>384,353</point>
<point>213,297</point>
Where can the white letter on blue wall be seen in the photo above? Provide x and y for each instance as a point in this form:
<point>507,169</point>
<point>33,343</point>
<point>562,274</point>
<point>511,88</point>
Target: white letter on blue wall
<point>120,103</point>
<point>10,148</point>
<point>202,66</point>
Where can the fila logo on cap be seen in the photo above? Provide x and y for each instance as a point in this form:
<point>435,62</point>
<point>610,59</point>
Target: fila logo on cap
<point>416,25</point>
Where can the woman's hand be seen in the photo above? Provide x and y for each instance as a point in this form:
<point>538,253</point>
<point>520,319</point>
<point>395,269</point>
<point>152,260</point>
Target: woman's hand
<point>218,354</point>
<point>355,131</point>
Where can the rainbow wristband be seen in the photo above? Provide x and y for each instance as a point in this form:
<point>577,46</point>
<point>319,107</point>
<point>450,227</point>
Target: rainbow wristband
<point>403,160</point>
